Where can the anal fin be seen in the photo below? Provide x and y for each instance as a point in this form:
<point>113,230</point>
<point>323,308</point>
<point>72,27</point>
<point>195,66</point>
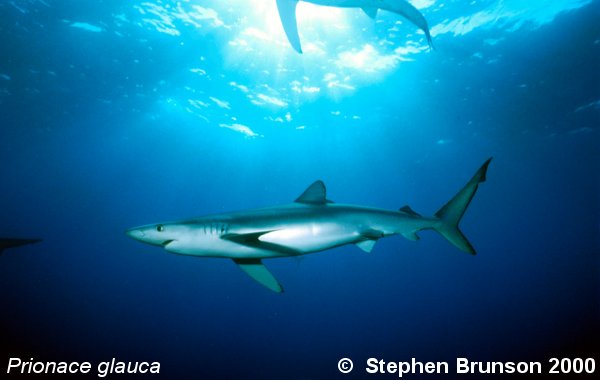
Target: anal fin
<point>411,235</point>
<point>371,12</point>
<point>370,238</point>
<point>259,273</point>
<point>366,245</point>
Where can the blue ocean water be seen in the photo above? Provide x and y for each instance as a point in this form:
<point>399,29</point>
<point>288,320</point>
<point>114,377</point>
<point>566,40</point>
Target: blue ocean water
<point>115,114</point>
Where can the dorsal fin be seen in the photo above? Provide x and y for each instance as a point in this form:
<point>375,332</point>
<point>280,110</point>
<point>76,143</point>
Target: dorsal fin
<point>315,194</point>
<point>407,210</point>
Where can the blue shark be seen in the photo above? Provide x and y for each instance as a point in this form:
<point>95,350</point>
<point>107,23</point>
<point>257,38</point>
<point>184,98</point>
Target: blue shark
<point>312,223</point>
<point>287,14</point>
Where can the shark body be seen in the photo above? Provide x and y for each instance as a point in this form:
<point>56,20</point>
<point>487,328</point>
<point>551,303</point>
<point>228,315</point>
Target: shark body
<point>287,14</point>
<point>12,243</point>
<point>310,224</point>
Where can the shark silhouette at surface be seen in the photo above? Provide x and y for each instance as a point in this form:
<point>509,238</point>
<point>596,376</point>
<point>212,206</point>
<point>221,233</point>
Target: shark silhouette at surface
<point>287,14</point>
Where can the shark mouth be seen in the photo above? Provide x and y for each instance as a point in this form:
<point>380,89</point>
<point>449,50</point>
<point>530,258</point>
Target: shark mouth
<point>166,243</point>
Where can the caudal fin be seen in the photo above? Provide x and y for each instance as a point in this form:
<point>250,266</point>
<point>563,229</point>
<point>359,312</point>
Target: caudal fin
<point>451,213</point>
<point>412,14</point>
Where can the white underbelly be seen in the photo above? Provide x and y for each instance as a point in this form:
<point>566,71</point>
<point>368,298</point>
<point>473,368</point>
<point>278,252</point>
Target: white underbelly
<point>217,247</point>
<point>311,237</point>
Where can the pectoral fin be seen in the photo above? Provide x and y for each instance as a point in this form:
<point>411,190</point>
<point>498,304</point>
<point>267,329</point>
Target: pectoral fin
<point>250,239</point>
<point>253,240</point>
<point>255,269</point>
<point>287,14</point>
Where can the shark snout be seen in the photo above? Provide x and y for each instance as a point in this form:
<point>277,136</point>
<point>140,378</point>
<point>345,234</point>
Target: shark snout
<point>153,235</point>
<point>135,233</point>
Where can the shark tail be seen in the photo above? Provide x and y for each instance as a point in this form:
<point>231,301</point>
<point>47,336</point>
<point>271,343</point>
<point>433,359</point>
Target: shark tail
<point>412,14</point>
<point>450,214</point>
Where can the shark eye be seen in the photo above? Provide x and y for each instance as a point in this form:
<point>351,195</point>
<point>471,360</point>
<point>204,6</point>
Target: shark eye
<point>160,228</point>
